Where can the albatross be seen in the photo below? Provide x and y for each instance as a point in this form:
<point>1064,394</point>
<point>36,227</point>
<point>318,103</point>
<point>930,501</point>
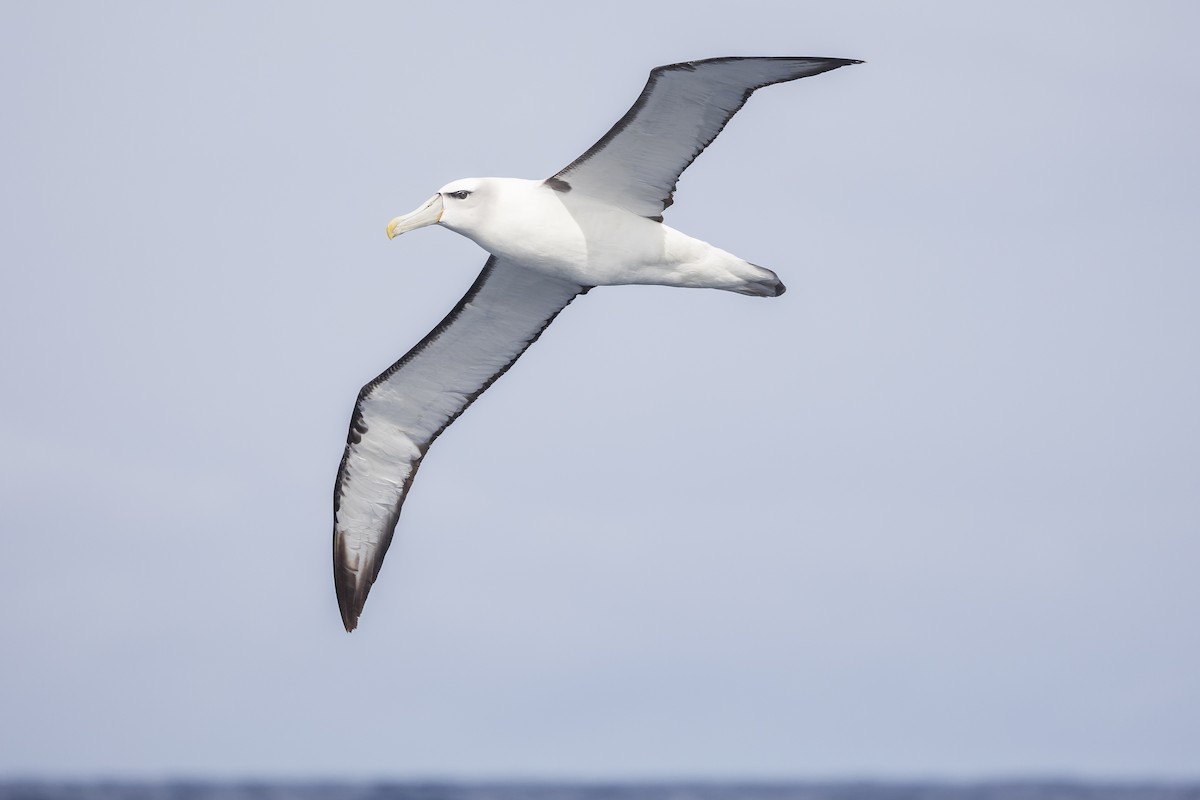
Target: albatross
<point>596,222</point>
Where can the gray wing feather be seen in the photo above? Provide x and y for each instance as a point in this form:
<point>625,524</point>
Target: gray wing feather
<point>401,412</point>
<point>682,109</point>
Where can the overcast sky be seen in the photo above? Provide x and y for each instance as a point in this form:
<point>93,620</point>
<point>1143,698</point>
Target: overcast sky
<point>933,513</point>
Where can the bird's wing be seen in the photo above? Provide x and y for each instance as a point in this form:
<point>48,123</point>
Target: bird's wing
<point>400,413</point>
<point>682,109</point>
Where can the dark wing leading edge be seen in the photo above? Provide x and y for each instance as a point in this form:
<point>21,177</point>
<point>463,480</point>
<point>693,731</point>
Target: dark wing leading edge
<point>682,109</point>
<point>400,413</point>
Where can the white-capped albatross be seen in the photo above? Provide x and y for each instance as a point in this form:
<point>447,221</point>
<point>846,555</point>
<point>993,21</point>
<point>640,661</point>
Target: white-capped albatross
<point>597,222</point>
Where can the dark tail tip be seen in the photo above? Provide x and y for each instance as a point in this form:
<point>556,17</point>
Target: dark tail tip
<point>766,285</point>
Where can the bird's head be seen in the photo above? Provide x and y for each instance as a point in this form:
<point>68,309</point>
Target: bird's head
<point>458,206</point>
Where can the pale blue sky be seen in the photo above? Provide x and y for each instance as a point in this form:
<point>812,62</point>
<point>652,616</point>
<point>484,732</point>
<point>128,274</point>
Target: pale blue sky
<point>933,513</point>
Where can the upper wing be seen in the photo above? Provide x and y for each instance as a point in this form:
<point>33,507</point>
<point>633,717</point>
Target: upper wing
<point>400,413</point>
<point>682,109</point>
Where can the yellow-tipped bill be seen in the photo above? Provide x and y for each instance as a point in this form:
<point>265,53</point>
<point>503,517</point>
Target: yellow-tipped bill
<point>430,213</point>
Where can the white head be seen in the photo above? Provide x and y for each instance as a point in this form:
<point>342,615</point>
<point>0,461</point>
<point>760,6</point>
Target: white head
<point>460,206</point>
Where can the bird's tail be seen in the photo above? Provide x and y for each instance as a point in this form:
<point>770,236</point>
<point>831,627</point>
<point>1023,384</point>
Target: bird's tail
<point>763,283</point>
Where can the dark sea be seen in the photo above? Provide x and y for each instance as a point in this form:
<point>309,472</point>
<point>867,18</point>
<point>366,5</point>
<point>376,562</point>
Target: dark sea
<point>184,790</point>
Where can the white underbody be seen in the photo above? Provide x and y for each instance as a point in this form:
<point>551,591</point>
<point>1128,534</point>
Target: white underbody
<point>571,236</point>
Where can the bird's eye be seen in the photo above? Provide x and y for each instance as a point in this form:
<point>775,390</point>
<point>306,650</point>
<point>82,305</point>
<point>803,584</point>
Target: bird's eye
<point>461,194</point>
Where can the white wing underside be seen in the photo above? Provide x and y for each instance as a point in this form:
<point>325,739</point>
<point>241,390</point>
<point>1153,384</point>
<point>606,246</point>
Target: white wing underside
<point>400,413</point>
<point>682,109</point>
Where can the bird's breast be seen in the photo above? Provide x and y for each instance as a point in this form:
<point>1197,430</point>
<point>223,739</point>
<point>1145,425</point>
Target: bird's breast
<point>570,237</point>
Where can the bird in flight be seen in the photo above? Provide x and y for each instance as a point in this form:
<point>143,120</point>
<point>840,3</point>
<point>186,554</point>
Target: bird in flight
<point>596,222</point>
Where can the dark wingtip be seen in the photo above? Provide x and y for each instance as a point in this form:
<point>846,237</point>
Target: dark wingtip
<point>838,63</point>
<point>349,617</point>
<point>347,605</point>
<point>351,597</point>
<point>351,592</point>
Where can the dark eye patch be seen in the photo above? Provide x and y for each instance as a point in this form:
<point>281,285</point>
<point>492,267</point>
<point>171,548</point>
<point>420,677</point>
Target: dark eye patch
<point>461,194</point>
